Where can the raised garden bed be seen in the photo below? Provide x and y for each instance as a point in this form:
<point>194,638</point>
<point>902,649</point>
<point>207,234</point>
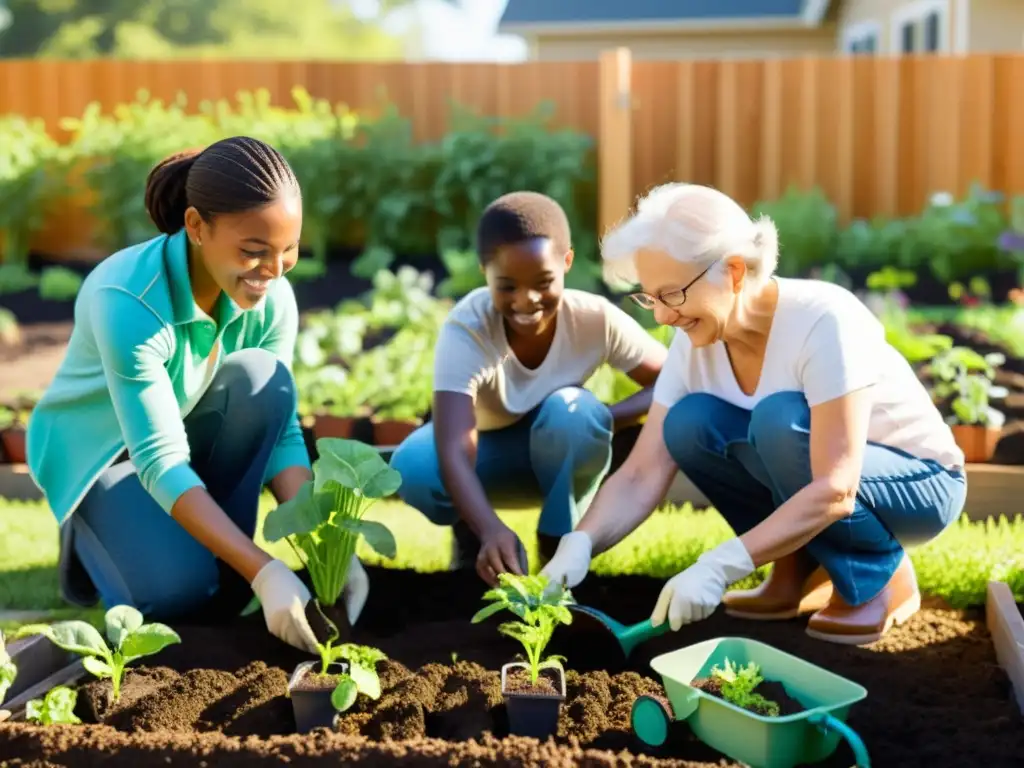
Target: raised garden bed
<point>937,695</point>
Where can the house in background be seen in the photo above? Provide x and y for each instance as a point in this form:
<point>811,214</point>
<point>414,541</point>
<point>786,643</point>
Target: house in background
<point>677,29</point>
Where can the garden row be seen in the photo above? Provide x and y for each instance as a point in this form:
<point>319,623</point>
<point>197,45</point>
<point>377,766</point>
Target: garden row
<point>429,676</point>
<point>373,191</point>
<point>364,369</point>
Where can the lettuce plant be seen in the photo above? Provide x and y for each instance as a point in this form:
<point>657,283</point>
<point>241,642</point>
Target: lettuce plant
<point>540,611</point>
<point>57,707</point>
<point>324,521</point>
<point>738,684</point>
<point>8,672</point>
<point>129,638</point>
<point>360,677</point>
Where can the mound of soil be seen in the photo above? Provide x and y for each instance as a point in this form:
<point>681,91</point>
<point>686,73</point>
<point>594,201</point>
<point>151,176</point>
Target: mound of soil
<point>936,694</point>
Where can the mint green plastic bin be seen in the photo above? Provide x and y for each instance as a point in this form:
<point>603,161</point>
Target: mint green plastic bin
<point>760,742</point>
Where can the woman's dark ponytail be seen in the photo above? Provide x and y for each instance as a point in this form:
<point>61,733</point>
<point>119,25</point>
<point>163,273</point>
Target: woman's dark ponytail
<point>166,196</point>
<point>230,176</point>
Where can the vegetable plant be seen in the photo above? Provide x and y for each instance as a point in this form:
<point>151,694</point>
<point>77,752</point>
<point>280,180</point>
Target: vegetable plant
<point>129,639</point>
<point>540,611</point>
<point>324,521</point>
<point>738,684</point>
<point>966,376</point>
<point>8,671</point>
<point>359,663</point>
<point>57,707</point>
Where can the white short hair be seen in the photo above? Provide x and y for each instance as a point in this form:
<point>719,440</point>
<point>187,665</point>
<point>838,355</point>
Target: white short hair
<point>692,224</point>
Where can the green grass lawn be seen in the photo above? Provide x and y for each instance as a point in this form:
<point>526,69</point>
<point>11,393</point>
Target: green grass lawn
<point>955,566</point>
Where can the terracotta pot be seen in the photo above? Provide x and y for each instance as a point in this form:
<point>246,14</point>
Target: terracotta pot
<point>392,432</point>
<point>12,440</point>
<point>977,442</point>
<point>333,426</point>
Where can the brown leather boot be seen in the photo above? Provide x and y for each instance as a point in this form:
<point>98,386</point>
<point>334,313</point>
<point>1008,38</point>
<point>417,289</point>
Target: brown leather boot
<point>840,622</point>
<point>795,587</point>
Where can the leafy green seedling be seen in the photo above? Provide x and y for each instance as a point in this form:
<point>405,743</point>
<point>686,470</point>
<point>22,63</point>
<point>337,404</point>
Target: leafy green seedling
<point>359,662</point>
<point>56,707</point>
<point>324,521</point>
<point>540,611</point>
<point>738,684</point>
<point>129,638</point>
<point>8,671</point>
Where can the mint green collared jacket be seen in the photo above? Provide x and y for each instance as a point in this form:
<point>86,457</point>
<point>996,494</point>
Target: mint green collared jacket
<point>136,364</point>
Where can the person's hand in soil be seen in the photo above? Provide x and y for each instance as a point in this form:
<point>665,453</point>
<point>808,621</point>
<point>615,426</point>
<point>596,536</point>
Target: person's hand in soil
<point>501,551</point>
<point>357,588</point>
<point>571,561</point>
<point>284,598</point>
<point>694,594</point>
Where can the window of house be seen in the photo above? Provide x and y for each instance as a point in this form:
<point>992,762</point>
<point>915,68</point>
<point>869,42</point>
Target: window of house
<point>921,27</point>
<point>862,38</point>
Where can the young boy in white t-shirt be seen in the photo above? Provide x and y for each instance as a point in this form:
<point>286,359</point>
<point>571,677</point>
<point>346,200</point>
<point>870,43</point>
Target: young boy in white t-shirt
<point>511,420</point>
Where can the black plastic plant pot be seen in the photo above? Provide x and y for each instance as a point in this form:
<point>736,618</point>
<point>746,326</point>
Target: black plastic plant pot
<point>311,695</point>
<point>531,713</point>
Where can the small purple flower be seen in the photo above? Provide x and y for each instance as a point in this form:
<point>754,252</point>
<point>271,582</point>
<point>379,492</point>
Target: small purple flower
<point>1012,242</point>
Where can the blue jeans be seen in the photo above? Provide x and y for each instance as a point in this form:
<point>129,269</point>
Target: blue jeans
<point>747,463</point>
<point>122,548</point>
<point>557,454</point>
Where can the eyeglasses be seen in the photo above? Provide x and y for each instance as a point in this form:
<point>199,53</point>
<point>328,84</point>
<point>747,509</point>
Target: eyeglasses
<point>670,299</point>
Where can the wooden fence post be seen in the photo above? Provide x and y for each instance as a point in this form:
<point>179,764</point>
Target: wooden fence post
<point>615,138</point>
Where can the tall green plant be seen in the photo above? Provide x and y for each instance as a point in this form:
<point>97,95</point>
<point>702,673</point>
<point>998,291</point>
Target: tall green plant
<point>31,176</point>
<point>325,519</point>
<point>119,149</point>
<point>807,224</point>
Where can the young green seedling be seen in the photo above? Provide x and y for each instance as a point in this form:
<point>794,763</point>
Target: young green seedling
<point>8,671</point>
<point>738,684</point>
<point>56,707</point>
<point>324,521</point>
<point>360,668</point>
<point>129,638</point>
<point>540,611</point>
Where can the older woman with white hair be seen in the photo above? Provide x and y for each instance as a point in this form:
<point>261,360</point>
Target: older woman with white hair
<point>783,403</point>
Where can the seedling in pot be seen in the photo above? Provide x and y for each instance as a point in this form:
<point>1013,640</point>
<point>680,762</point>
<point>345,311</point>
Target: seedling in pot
<point>57,707</point>
<point>324,521</point>
<point>346,670</point>
<point>130,639</point>
<point>534,703</point>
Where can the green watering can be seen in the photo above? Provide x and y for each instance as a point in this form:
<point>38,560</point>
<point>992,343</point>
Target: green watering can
<point>760,742</point>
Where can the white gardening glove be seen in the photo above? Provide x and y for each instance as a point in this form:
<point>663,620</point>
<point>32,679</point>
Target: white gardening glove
<point>357,587</point>
<point>694,594</point>
<point>284,598</point>
<point>571,560</point>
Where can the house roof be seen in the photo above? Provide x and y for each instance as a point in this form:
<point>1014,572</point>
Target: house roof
<point>611,15</point>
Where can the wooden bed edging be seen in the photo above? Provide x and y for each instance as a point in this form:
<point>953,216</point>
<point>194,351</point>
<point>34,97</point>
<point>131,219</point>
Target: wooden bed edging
<point>1007,629</point>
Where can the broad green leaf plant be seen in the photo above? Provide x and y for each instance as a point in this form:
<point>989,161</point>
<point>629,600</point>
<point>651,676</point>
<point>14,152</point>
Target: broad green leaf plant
<point>8,671</point>
<point>324,521</point>
<point>540,611</point>
<point>129,639</point>
<point>57,707</point>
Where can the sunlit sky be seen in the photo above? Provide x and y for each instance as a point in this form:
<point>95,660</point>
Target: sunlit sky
<point>462,30</point>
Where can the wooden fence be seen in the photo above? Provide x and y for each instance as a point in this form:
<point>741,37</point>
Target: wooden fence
<point>878,135</point>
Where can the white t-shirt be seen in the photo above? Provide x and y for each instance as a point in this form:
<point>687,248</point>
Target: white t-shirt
<point>825,343</point>
<point>473,357</point>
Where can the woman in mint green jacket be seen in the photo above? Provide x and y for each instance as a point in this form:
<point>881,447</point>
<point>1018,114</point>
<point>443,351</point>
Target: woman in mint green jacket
<point>175,404</point>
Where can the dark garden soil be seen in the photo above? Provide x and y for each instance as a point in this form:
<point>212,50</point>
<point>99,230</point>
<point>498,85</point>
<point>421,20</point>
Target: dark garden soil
<point>936,694</point>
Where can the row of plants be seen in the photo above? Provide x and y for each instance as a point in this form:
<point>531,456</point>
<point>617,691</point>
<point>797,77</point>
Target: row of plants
<point>951,240</point>
<point>372,188</point>
<point>368,183</point>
